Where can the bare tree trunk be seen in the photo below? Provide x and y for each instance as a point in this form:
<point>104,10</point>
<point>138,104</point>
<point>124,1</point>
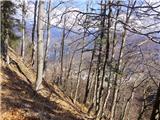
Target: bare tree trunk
<point>114,101</point>
<point>88,77</point>
<point>100,82</point>
<point>78,80</point>
<point>91,86</point>
<point>48,39</point>
<point>55,52</point>
<point>107,95</point>
<point>119,65</point>
<point>23,28</point>
<point>6,46</point>
<point>105,61</point>
<point>144,106</point>
<point>40,56</point>
<point>70,65</point>
<point>156,107</point>
<point>62,50</point>
<point>124,113</point>
<point>69,69</point>
<point>79,71</point>
<point>91,62</point>
<point>33,33</point>
<point>81,58</point>
<point>92,96</point>
<point>95,93</point>
<point>112,57</point>
<point>115,92</point>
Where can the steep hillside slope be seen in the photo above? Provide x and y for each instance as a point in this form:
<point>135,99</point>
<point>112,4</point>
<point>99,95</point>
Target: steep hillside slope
<point>19,101</point>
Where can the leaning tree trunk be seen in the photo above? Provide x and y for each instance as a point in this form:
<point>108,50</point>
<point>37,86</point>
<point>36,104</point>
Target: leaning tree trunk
<point>33,33</point>
<point>40,45</point>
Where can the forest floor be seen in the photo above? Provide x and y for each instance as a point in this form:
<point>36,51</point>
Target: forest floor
<point>19,101</point>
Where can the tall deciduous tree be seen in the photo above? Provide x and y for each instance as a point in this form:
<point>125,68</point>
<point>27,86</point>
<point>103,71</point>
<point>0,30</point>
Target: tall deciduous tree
<point>23,28</point>
<point>62,49</point>
<point>48,38</point>
<point>40,57</point>
<point>120,61</point>
<point>33,32</point>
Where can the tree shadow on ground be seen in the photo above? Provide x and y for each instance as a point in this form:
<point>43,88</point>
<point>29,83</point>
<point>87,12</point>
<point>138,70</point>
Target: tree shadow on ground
<point>21,95</point>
